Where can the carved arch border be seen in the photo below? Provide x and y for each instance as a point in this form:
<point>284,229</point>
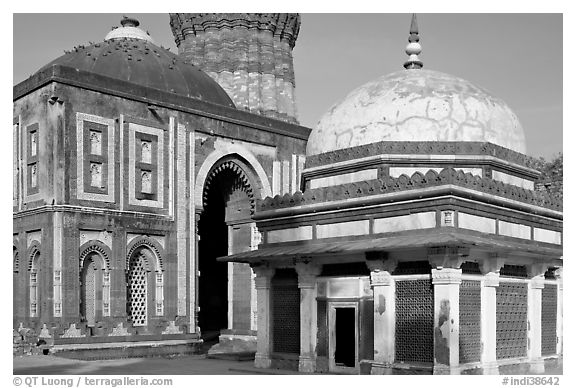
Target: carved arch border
<point>15,255</point>
<point>231,152</point>
<point>33,250</point>
<point>242,177</point>
<point>98,247</point>
<point>154,246</point>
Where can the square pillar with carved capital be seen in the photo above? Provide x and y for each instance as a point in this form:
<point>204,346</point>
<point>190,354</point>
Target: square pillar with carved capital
<point>307,274</point>
<point>490,269</point>
<point>535,286</point>
<point>384,291</point>
<point>490,281</point>
<point>446,283</point>
<point>559,309</point>
<point>262,283</point>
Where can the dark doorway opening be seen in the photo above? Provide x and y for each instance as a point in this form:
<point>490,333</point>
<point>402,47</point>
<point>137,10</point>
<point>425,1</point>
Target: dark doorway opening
<point>213,281</point>
<point>345,327</point>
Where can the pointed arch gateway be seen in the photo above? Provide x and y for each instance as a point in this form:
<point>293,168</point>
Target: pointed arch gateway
<point>228,201</point>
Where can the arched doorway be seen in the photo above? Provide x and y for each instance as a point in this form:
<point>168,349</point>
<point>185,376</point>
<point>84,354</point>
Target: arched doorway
<point>94,286</point>
<point>89,298</point>
<point>228,201</point>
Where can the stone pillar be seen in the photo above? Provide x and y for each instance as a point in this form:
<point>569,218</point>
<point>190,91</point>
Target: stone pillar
<point>384,291</point>
<point>307,274</point>
<point>560,310</point>
<point>262,281</point>
<point>489,283</point>
<point>446,283</point>
<point>535,286</point>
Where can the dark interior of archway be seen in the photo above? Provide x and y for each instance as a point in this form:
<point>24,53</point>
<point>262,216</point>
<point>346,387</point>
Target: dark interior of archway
<point>221,204</point>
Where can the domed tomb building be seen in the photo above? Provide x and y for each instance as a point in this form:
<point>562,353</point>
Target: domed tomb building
<point>133,170</point>
<point>418,240</point>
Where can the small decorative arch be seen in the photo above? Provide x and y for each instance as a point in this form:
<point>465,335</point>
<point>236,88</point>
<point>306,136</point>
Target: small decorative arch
<point>95,246</point>
<point>152,264</point>
<point>32,253</point>
<point>232,151</point>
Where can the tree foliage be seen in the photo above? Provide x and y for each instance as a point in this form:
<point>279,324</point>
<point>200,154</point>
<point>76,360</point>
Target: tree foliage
<point>551,179</point>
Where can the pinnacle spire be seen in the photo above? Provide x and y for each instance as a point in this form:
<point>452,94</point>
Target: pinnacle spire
<point>413,48</point>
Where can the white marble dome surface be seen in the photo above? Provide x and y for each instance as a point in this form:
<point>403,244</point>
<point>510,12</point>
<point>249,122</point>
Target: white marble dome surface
<point>417,105</point>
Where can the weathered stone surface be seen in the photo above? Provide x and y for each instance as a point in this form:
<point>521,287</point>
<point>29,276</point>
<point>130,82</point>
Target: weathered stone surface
<point>417,105</point>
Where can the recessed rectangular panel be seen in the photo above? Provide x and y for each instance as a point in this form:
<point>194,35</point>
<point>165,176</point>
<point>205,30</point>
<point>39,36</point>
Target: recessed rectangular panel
<point>408,222</point>
<point>351,228</point>
<point>290,234</point>
<point>513,230</point>
<point>480,224</point>
<point>549,236</point>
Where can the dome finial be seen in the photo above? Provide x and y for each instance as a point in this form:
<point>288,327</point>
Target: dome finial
<point>129,29</point>
<point>129,22</point>
<point>413,48</point>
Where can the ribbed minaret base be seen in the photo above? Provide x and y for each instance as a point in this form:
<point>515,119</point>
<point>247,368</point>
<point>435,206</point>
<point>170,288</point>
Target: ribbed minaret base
<point>249,55</point>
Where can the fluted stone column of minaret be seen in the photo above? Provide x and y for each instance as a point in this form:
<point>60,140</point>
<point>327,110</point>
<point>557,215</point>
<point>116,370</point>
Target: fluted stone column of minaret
<point>249,55</point>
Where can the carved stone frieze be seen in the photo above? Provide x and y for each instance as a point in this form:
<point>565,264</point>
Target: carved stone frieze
<point>417,181</point>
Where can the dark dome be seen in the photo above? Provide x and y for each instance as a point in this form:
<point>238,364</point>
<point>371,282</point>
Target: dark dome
<point>141,62</point>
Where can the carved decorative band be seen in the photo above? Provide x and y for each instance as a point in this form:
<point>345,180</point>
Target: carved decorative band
<point>491,279</point>
<point>417,181</point>
<point>381,278</point>
<point>446,276</point>
<point>422,148</point>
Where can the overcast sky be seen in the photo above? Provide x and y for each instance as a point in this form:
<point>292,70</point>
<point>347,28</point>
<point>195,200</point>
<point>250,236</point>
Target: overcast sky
<point>517,57</point>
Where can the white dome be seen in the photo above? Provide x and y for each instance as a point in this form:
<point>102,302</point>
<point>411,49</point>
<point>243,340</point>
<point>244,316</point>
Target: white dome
<point>417,105</point>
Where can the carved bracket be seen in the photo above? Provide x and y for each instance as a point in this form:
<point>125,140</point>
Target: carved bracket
<point>307,274</point>
<point>263,274</point>
<point>536,269</point>
<point>492,264</point>
<point>447,256</point>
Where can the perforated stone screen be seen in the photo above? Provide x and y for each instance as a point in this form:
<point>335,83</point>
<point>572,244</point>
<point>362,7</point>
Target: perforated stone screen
<point>549,311</point>
<point>470,340</point>
<point>137,291</point>
<point>511,320</point>
<point>414,321</point>
<point>285,315</point>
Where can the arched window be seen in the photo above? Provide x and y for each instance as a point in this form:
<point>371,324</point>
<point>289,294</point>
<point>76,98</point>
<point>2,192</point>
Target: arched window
<point>33,285</point>
<point>144,282</point>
